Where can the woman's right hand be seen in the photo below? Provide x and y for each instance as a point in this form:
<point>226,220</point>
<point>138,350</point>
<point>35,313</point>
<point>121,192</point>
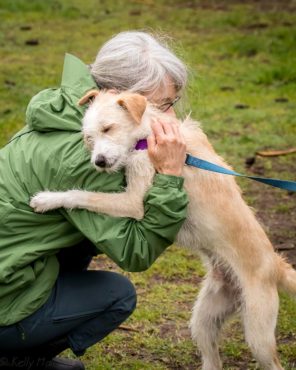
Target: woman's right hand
<point>167,148</point>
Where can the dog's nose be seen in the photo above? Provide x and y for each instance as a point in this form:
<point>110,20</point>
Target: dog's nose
<point>100,161</point>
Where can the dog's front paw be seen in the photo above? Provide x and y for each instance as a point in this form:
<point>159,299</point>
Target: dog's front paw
<point>45,201</point>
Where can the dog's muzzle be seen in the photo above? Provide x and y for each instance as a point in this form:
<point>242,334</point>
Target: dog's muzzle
<point>101,161</point>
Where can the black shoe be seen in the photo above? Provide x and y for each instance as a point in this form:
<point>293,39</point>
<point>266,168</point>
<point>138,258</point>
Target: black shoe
<point>59,363</point>
<point>40,363</point>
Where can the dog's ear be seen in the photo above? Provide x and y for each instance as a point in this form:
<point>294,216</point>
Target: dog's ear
<point>89,95</point>
<point>135,104</point>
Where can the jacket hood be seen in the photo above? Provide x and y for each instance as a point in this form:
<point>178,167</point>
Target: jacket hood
<point>57,109</point>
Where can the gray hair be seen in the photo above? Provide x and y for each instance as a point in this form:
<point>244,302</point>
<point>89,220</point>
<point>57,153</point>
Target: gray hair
<point>137,62</point>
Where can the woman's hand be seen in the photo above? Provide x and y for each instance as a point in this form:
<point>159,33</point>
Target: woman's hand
<point>167,148</point>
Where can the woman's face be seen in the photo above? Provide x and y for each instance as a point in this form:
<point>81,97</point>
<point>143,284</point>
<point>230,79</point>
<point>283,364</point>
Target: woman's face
<point>164,97</point>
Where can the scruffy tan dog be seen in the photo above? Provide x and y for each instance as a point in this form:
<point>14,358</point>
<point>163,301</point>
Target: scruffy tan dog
<point>243,271</point>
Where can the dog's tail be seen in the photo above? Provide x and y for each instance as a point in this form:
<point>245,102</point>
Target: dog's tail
<point>286,276</point>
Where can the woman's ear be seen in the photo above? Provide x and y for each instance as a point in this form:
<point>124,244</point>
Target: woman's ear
<point>134,104</point>
<point>89,95</point>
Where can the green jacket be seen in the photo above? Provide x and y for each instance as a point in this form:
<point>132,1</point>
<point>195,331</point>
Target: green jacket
<point>48,153</point>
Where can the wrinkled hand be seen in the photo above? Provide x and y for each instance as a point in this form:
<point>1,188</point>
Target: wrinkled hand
<point>167,148</point>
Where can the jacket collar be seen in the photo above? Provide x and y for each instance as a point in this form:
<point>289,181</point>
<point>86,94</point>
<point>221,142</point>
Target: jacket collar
<point>76,76</point>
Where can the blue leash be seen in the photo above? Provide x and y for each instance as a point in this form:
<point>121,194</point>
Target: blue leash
<point>205,165</point>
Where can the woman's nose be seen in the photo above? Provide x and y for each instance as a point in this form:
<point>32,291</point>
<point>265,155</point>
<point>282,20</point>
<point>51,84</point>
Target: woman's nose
<point>171,112</point>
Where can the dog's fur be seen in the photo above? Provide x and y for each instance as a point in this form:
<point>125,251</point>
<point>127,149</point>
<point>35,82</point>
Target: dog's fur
<point>243,271</point>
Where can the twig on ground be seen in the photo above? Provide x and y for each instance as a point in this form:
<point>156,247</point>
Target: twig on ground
<point>128,328</point>
<point>276,153</point>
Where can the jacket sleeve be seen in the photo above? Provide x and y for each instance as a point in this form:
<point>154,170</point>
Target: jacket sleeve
<point>131,244</point>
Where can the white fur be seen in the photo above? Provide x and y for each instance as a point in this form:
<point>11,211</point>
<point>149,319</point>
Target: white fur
<point>243,269</point>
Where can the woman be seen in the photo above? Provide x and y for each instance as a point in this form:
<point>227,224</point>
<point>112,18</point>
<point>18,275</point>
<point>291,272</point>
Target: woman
<point>48,299</point>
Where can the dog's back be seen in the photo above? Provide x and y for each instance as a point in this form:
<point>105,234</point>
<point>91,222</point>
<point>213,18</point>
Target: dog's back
<point>223,223</point>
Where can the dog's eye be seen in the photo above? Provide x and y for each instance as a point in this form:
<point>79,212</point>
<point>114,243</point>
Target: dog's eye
<point>106,129</point>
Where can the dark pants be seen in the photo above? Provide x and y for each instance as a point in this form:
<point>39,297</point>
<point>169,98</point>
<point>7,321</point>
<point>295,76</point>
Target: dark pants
<point>84,306</point>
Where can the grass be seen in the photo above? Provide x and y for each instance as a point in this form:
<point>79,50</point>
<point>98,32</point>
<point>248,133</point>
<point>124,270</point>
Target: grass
<point>238,53</point>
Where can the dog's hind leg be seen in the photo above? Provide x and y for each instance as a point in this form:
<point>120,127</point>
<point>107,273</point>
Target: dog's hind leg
<point>216,301</point>
<point>259,312</point>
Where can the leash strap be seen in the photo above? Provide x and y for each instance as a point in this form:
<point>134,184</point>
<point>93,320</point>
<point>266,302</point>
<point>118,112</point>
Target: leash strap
<point>208,166</point>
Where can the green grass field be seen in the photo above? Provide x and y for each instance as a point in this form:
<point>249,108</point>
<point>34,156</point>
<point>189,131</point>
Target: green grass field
<point>242,60</point>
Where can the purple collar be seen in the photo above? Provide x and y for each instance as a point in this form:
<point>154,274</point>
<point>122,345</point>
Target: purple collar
<point>141,144</point>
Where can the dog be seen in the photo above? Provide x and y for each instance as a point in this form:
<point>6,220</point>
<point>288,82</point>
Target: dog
<point>243,270</point>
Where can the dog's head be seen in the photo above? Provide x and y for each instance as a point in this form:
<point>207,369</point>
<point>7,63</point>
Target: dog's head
<point>112,125</point>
